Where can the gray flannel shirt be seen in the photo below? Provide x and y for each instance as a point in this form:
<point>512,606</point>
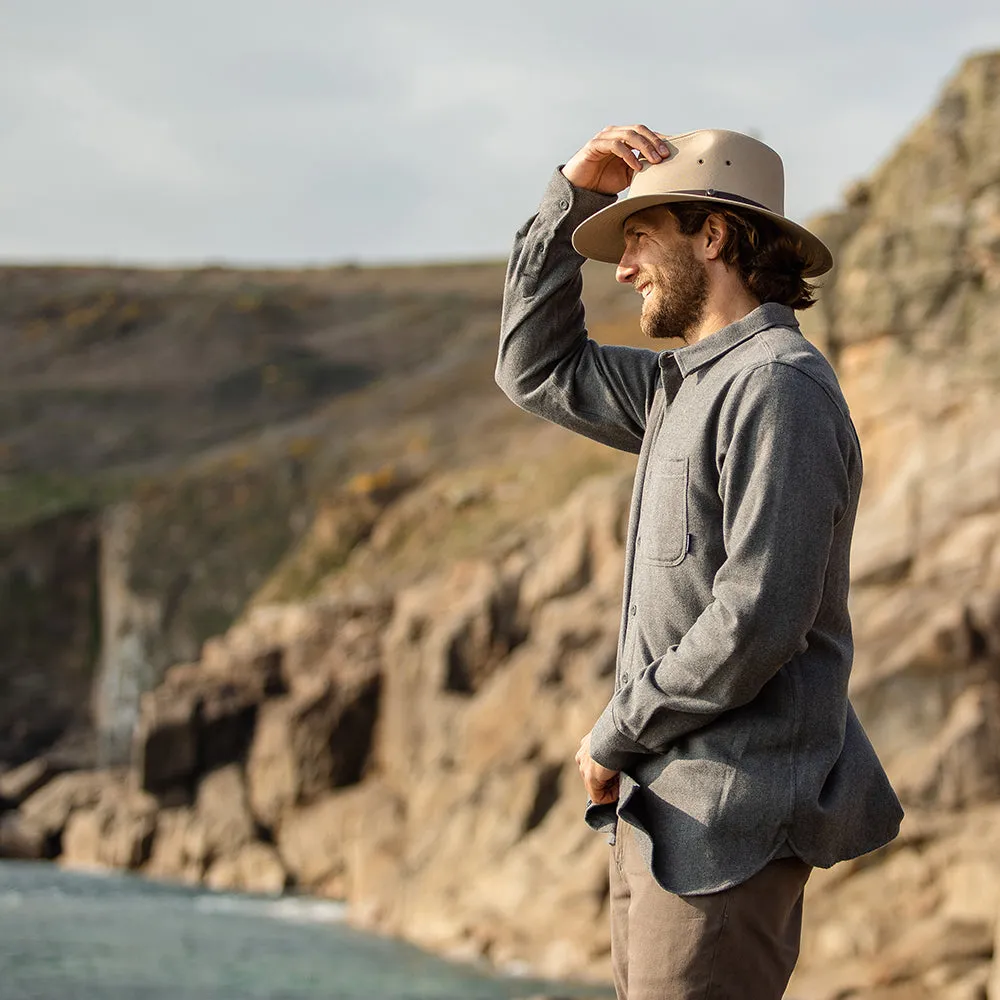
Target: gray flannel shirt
<point>730,720</point>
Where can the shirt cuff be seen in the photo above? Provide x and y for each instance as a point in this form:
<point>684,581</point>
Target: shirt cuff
<point>568,206</point>
<point>610,747</point>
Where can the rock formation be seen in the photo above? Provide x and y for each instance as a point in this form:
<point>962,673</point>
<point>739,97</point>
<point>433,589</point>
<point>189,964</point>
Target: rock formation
<point>48,622</point>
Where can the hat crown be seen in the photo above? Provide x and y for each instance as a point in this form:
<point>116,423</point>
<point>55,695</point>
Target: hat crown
<point>716,163</point>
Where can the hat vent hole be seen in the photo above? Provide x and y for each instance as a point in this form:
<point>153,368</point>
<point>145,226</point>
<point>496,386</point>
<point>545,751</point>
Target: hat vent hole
<point>729,163</point>
<point>701,161</point>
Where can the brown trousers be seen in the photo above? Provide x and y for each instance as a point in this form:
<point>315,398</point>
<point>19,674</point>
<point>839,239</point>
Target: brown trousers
<point>738,944</point>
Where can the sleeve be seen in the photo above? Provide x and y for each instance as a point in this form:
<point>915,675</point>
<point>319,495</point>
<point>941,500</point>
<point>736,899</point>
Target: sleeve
<point>547,365</point>
<point>785,485</point>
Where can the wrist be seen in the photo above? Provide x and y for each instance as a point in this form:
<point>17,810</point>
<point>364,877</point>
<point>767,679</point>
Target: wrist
<point>572,173</point>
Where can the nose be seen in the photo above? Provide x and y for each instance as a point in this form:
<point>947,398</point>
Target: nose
<point>626,270</point>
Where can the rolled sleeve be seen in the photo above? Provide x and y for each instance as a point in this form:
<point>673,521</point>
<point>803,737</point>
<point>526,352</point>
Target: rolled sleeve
<point>547,364</point>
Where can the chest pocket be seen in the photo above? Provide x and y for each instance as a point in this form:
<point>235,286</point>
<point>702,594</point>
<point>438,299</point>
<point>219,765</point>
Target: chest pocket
<point>663,518</point>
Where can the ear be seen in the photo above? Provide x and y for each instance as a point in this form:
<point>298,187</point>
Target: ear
<point>714,234</point>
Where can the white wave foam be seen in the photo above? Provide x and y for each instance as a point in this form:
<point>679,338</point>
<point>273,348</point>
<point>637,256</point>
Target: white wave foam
<point>291,909</point>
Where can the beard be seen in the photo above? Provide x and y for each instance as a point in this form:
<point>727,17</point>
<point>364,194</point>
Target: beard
<point>677,302</point>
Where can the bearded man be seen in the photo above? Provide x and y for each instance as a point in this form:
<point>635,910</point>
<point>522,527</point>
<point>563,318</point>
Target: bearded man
<point>728,762</point>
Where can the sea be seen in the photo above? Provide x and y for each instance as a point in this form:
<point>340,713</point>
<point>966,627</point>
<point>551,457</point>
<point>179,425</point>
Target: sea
<point>111,936</point>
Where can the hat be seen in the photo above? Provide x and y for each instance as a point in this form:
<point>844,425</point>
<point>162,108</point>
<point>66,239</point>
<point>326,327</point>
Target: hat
<point>715,165</point>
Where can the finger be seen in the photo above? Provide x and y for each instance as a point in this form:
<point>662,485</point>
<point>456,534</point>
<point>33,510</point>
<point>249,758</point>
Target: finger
<point>623,150</point>
<point>608,795</point>
<point>628,139</point>
<point>600,796</point>
<point>601,791</point>
<point>647,142</point>
<point>656,138</point>
<point>640,138</point>
<point>659,139</point>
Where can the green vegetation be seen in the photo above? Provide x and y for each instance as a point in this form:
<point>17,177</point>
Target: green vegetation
<point>36,497</point>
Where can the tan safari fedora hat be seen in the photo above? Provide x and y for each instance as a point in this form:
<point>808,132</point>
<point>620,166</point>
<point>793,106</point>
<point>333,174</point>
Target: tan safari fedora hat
<point>715,165</point>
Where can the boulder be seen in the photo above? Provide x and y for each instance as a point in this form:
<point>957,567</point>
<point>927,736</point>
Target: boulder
<point>273,783</point>
<point>255,867</point>
<point>51,806</point>
<point>180,847</point>
<point>224,814</point>
<point>218,657</point>
<point>25,839</point>
<point>116,833</point>
<point>16,785</point>
<point>226,721</point>
<point>197,721</point>
<point>313,841</point>
<point>947,946</point>
<point>448,636</point>
<point>165,746</point>
<point>960,766</point>
<point>320,843</point>
<point>316,739</point>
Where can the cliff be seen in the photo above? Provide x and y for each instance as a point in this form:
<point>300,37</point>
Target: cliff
<point>401,733</point>
<point>167,436</point>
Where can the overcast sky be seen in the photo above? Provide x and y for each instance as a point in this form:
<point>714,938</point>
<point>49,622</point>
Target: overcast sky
<point>322,131</point>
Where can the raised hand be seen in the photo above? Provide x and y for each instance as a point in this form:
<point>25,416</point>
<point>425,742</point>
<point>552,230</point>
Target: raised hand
<point>607,163</point>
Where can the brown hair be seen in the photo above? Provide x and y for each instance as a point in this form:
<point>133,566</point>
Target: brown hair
<point>770,262</point>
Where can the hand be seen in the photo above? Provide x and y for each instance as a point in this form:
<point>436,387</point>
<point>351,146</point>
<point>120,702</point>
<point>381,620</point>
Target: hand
<point>600,782</point>
<point>607,163</point>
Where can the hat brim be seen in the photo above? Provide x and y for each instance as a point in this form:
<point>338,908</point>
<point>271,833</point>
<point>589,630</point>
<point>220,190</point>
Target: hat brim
<point>600,237</point>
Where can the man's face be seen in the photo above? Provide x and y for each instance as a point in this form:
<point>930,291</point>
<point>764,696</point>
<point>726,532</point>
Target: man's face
<point>660,263</point>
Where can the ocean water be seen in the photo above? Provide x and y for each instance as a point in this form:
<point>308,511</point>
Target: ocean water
<point>75,936</point>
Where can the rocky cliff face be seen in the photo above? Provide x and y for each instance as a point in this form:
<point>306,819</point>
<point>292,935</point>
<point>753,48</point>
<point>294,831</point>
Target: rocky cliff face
<point>49,610</point>
<point>912,317</point>
<point>404,739</point>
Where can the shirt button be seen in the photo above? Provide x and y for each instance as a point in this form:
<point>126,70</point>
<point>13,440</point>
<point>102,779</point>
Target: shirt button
<point>564,204</point>
<point>624,678</point>
<point>632,610</point>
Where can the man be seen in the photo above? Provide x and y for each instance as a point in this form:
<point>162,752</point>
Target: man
<point>728,761</point>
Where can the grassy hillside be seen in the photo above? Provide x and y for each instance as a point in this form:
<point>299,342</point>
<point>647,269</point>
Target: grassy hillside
<point>109,376</point>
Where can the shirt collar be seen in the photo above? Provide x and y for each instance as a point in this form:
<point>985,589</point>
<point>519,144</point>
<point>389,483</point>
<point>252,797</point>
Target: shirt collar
<point>716,344</point>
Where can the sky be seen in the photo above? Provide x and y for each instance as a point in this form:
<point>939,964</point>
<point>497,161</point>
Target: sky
<point>292,132</point>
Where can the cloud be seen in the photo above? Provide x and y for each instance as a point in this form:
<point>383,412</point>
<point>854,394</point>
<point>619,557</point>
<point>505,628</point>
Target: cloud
<point>305,130</point>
